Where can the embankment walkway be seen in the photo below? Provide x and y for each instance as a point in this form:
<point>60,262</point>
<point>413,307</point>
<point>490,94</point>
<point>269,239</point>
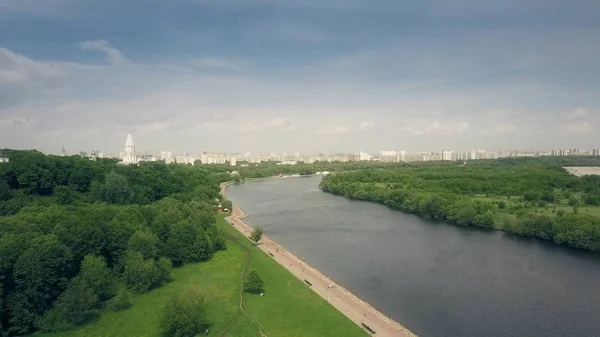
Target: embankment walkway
<point>348,304</point>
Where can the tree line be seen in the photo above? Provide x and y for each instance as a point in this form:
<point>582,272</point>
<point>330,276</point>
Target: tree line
<point>78,236</point>
<point>525,197</point>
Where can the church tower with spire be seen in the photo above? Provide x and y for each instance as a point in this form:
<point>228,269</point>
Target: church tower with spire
<point>129,157</point>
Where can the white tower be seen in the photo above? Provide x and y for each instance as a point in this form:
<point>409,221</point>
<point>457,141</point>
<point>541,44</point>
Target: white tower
<point>129,155</point>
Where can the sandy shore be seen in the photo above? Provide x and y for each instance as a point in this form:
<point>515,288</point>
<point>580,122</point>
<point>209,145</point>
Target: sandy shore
<point>347,303</point>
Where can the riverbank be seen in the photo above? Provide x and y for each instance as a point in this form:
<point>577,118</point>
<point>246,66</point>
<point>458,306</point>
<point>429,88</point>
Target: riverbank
<point>360,312</point>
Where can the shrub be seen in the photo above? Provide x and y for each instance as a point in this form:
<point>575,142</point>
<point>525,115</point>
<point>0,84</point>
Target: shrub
<point>254,284</point>
<point>184,315</point>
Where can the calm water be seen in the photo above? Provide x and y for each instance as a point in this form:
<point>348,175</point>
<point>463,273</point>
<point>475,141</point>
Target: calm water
<point>436,279</point>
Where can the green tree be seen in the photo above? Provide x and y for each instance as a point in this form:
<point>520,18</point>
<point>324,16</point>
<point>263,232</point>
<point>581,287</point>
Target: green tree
<point>121,301</point>
<point>142,274</point>
<point>117,189</point>
<point>40,276</point>
<point>188,243</point>
<point>225,203</point>
<point>74,307</point>
<point>184,315</point>
<point>145,242</point>
<point>95,274</point>
<point>63,195</point>
<point>257,234</point>
<point>5,193</point>
<point>254,284</point>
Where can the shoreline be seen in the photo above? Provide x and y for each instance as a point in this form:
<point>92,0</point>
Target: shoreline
<point>350,305</point>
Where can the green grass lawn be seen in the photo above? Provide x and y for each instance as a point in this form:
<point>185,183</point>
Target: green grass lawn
<point>289,308</point>
<point>218,280</point>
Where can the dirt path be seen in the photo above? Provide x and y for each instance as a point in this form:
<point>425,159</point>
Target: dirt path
<point>248,253</point>
<point>351,306</point>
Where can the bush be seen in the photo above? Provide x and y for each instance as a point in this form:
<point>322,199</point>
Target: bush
<point>184,315</point>
<point>573,201</point>
<point>560,212</point>
<point>121,301</point>
<point>254,283</point>
<point>256,234</point>
<point>501,204</point>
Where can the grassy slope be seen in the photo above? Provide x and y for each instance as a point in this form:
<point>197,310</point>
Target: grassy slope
<point>289,308</point>
<point>218,279</point>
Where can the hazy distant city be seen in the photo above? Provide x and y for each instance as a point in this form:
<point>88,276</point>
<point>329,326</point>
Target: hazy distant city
<point>131,155</point>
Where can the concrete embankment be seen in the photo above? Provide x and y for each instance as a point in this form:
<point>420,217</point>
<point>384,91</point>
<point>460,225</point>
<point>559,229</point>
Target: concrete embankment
<point>360,312</point>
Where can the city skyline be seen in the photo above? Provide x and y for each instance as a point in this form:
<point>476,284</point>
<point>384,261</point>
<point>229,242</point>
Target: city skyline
<point>310,77</point>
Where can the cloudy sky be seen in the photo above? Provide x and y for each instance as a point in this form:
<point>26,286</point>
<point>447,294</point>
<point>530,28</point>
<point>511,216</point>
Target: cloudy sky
<point>309,76</point>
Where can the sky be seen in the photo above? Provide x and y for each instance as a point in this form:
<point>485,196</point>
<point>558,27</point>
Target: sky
<point>299,76</point>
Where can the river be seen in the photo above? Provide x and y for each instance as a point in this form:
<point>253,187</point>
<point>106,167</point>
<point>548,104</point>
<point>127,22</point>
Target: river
<point>434,278</point>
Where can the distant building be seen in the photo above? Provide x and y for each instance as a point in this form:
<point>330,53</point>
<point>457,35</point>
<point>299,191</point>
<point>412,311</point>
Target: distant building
<point>447,155</point>
<point>129,156</point>
<point>232,161</point>
<point>3,160</point>
<point>63,152</point>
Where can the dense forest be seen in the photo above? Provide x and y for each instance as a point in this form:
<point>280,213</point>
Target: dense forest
<point>529,197</point>
<point>77,236</point>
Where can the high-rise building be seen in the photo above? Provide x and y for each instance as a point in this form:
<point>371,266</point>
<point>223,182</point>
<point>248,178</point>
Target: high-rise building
<point>129,156</point>
<point>232,161</point>
<point>446,155</point>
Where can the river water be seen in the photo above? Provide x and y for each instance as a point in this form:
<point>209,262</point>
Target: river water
<point>434,278</point>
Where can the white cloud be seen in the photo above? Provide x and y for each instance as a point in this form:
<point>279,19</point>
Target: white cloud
<point>501,129</point>
<point>212,126</point>
<point>582,128</point>
<point>577,114</point>
<point>154,126</point>
<point>336,131</point>
<point>275,124</point>
<point>366,125</point>
<point>113,54</point>
<point>438,128</point>
<point>211,62</point>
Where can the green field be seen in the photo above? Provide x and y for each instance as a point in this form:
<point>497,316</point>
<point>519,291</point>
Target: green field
<point>289,308</point>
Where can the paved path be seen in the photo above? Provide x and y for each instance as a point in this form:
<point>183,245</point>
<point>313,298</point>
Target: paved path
<point>351,306</point>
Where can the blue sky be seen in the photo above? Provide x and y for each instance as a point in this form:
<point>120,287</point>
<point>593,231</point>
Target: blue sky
<point>308,76</point>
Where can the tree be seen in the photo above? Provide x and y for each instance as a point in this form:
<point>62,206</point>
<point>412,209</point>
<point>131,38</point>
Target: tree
<point>116,189</point>
<point>40,275</point>
<point>254,284</point>
<point>121,301</point>
<point>188,243</point>
<point>225,203</point>
<point>74,307</point>
<point>4,190</point>
<point>184,315</point>
<point>145,242</point>
<point>95,274</point>
<point>142,274</point>
<point>63,195</point>
<point>256,234</point>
